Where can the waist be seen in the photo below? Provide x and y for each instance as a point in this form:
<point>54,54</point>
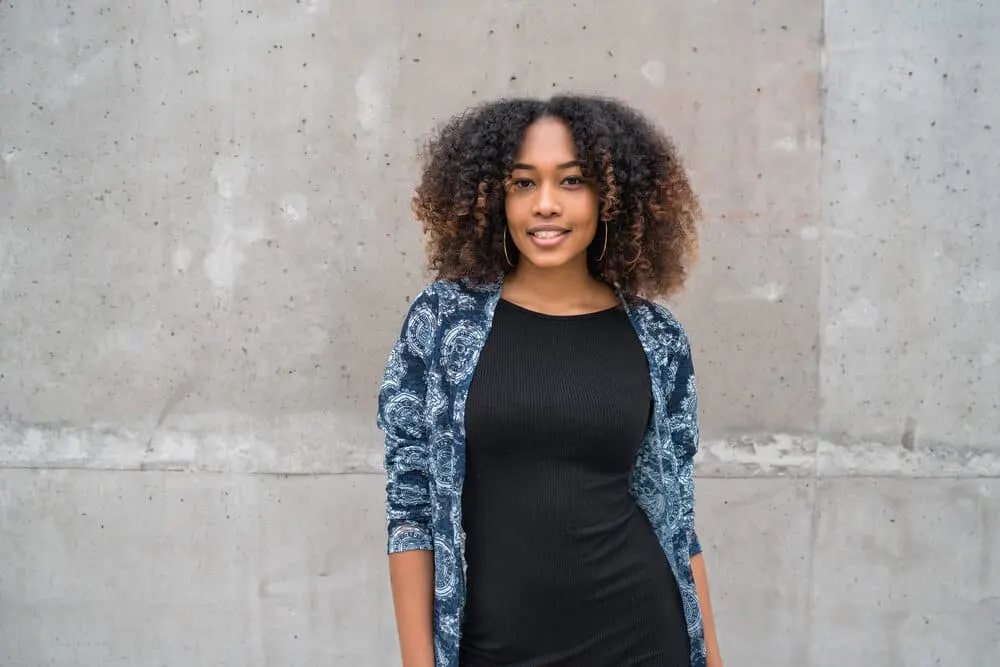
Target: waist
<point>536,584</point>
<point>532,543</point>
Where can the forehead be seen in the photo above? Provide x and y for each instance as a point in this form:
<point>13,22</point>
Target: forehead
<point>547,141</point>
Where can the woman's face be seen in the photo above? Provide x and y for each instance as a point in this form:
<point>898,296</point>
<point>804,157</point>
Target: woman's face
<point>551,208</point>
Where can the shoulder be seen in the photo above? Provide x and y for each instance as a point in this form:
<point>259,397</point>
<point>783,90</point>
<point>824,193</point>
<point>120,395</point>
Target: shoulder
<point>659,325</point>
<point>456,298</point>
<point>427,302</point>
<point>445,302</point>
<point>445,288</point>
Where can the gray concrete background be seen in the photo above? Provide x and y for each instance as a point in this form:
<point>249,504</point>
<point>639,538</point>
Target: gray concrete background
<point>206,250</point>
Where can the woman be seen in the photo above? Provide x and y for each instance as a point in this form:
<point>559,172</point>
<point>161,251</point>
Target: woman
<point>540,414</point>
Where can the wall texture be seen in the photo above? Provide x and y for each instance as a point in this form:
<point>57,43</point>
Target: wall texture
<point>206,251</point>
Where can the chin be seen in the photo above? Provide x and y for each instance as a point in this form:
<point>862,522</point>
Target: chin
<point>550,261</point>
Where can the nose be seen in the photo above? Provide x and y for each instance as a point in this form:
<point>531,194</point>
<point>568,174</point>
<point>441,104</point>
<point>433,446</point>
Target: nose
<point>547,201</point>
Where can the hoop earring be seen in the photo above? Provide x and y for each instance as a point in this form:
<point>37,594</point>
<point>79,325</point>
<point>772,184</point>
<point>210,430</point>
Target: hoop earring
<point>604,250</point>
<point>505,255</point>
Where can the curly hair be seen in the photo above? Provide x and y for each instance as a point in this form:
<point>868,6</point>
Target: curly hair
<point>645,196</point>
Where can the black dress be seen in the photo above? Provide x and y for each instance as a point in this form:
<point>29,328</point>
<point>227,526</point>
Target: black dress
<point>563,568</point>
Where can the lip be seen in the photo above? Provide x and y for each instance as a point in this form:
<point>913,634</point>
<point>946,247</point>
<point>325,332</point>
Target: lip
<point>547,227</point>
<point>548,243</point>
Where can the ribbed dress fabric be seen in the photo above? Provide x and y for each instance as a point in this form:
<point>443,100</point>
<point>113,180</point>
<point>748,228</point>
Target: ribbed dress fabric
<point>562,566</point>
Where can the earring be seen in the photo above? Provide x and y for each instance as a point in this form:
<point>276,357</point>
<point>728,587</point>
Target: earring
<point>604,250</point>
<point>505,255</point>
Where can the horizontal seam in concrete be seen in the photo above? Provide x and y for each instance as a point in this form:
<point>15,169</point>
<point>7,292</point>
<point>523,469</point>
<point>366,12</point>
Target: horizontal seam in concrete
<point>216,472</point>
<point>191,471</point>
<point>282,451</point>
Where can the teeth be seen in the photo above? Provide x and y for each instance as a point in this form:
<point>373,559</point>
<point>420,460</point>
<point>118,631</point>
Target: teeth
<point>547,234</point>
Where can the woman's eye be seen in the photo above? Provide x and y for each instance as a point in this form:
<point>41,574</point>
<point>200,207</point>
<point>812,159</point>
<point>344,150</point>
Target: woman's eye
<point>574,180</point>
<point>521,183</point>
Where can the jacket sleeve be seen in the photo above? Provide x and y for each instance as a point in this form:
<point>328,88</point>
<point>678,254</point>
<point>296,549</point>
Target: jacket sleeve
<point>682,409</point>
<point>402,417</point>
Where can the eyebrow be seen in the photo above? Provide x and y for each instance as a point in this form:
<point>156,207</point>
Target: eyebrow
<point>564,165</point>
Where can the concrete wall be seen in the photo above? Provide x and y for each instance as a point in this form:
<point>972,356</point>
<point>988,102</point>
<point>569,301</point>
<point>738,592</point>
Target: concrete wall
<point>206,251</point>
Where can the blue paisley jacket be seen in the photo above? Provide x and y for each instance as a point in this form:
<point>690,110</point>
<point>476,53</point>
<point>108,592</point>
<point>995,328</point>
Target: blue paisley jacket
<point>421,409</point>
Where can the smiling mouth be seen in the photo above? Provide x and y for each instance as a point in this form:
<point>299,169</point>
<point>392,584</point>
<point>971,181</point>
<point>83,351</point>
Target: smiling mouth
<point>549,233</point>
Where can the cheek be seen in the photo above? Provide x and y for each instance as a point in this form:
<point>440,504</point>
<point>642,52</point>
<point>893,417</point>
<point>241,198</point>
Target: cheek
<point>516,212</point>
<point>587,207</point>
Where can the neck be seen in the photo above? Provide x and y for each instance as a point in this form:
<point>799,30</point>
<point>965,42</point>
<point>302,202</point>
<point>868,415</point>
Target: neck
<point>557,286</point>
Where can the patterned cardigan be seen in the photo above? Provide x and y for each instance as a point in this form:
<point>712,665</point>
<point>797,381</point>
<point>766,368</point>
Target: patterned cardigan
<point>421,409</point>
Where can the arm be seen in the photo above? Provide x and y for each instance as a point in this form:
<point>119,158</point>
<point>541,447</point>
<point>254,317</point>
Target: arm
<point>713,657</point>
<point>411,574</point>
<point>683,411</point>
<point>401,415</point>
